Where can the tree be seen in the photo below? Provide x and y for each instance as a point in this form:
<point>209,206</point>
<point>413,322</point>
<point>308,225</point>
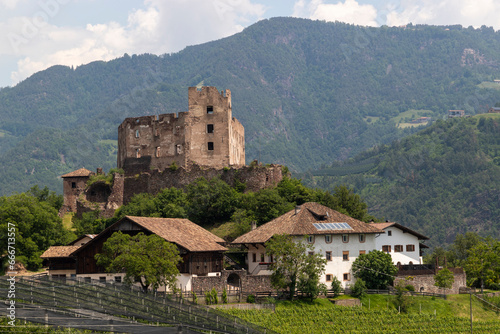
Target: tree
<point>37,225</point>
<point>211,201</point>
<point>483,263</point>
<point>444,279</point>
<point>293,264</point>
<point>148,260</point>
<point>375,268</point>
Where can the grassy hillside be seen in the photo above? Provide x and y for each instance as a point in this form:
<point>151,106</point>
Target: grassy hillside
<point>308,93</point>
<point>441,181</point>
<point>322,316</point>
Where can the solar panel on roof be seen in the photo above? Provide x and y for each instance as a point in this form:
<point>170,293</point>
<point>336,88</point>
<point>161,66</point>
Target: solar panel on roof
<point>332,226</point>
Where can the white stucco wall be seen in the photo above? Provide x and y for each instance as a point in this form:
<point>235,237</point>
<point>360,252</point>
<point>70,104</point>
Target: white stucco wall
<point>398,237</point>
<point>336,266</point>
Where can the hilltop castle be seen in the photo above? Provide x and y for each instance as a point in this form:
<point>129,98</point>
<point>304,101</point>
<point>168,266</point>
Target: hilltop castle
<point>172,150</point>
<point>207,135</point>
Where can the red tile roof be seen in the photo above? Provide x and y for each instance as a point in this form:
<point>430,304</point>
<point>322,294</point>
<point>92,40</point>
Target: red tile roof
<point>385,225</point>
<point>78,173</point>
<point>182,232</point>
<point>301,223</point>
<point>59,251</point>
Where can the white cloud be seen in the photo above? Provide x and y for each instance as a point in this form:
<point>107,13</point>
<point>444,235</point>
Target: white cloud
<point>465,12</point>
<point>8,4</point>
<point>349,11</point>
<point>161,27</point>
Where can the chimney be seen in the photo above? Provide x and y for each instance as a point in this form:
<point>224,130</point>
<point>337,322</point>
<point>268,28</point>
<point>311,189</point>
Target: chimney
<point>254,225</point>
<point>297,209</point>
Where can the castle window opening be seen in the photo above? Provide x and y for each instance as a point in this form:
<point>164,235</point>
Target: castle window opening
<point>157,151</point>
<point>137,153</point>
<point>136,133</point>
<point>210,109</point>
<point>210,145</point>
<point>179,148</point>
<point>210,128</point>
<point>73,185</point>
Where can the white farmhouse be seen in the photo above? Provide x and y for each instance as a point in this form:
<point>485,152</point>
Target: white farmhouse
<point>402,243</point>
<point>338,237</point>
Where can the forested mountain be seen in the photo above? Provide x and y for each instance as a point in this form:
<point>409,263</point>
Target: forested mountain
<point>441,181</point>
<point>308,93</point>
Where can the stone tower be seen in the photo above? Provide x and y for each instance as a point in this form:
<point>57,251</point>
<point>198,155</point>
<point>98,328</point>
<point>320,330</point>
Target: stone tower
<point>206,134</point>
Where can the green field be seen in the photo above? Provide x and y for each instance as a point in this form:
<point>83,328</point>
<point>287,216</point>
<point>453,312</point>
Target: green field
<point>377,315</point>
<point>489,85</point>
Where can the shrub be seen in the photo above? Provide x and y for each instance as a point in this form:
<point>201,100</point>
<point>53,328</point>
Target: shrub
<point>251,299</point>
<point>410,287</point>
<point>208,298</point>
<point>173,166</point>
<point>195,297</point>
<point>215,298</point>
<point>359,289</point>
<point>224,296</point>
<point>336,286</point>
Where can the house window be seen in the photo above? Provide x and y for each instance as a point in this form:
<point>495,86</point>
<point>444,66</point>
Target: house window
<point>157,153</point>
<point>389,233</point>
<point>254,257</point>
<point>328,256</point>
<point>398,248</point>
<point>210,109</point>
<point>361,238</point>
<point>310,239</point>
<point>329,277</point>
<point>118,279</point>
<point>262,259</point>
<point>73,185</point>
<point>386,248</point>
<point>345,256</point>
<point>210,145</point>
<point>136,133</point>
<point>410,248</point>
<point>362,252</point>
<point>210,128</point>
<point>328,239</point>
<point>347,277</point>
<point>345,238</point>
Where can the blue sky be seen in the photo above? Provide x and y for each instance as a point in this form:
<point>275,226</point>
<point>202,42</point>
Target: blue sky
<point>36,34</point>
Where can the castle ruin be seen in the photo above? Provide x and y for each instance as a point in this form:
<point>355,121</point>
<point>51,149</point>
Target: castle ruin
<point>173,150</point>
<point>207,135</point>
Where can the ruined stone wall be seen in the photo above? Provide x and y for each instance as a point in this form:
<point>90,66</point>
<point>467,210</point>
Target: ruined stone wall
<point>255,177</point>
<point>160,139</point>
<point>425,283</point>
<point>72,188</point>
<point>207,134</point>
<point>105,198</point>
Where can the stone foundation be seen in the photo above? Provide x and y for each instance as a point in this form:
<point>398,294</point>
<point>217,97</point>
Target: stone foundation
<point>425,283</point>
<point>233,279</point>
